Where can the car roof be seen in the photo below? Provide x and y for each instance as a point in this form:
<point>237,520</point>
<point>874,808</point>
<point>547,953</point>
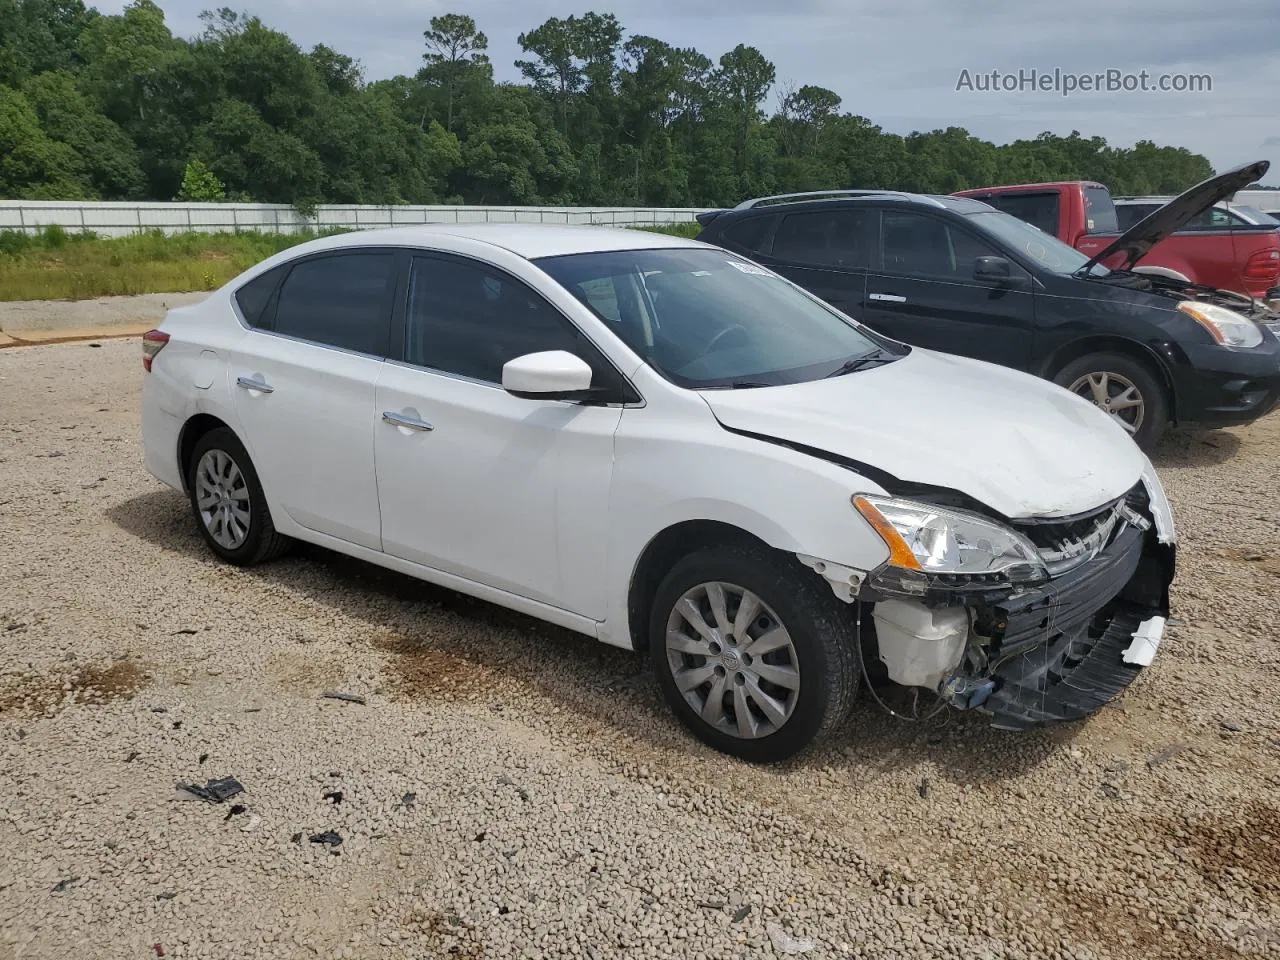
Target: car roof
<point>528,240</point>
<point>1028,187</point>
<point>935,201</point>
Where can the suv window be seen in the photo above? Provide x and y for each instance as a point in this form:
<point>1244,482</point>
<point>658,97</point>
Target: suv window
<point>252,298</point>
<point>468,319</point>
<point>748,234</point>
<point>1038,209</point>
<point>824,238</point>
<point>916,244</point>
<point>342,300</point>
<point>1127,214</point>
<point>1215,218</point>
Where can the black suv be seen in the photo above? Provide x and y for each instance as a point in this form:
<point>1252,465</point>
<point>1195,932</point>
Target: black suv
<point>956,275</point>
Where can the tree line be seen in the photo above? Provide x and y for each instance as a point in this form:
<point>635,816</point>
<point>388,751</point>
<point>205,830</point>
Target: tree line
<point>118,108</point>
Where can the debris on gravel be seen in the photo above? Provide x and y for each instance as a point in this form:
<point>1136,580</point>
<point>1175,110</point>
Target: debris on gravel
<point>1148,832</point>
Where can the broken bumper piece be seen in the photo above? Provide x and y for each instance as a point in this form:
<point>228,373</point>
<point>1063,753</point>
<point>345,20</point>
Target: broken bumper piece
<point>1060,652</point>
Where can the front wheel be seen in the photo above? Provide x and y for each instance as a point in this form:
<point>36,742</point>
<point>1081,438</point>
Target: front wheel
<point>754,653</point>
<point>1125,389</point>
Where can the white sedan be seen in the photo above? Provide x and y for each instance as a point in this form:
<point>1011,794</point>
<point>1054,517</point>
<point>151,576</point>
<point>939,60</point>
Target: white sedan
<point>667,447</point>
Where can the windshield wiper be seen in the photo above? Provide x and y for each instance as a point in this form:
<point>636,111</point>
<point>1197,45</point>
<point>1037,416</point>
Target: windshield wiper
<point>874,358</point>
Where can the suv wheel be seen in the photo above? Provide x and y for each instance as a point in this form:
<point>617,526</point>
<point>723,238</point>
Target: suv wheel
<point>228,502</point>
<point>756,657</point>
<point>1124,388</point>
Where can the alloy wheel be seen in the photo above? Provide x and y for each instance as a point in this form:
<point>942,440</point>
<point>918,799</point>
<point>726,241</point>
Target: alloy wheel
<point>732,660</point>
<point>1115,395</point>
<point>222,497</point>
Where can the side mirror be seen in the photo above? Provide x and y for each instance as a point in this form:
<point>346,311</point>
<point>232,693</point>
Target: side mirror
<point>551,375</point>
<point>995,269</point>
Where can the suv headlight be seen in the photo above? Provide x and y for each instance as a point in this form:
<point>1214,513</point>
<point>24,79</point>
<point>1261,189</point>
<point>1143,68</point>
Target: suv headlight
<point>1227,327</point>
<point>932,546</point>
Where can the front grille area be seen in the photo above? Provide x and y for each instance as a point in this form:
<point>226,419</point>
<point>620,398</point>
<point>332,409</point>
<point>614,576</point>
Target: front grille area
<point>1068,542</point>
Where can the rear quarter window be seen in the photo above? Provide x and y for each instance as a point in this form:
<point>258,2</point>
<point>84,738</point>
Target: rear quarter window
<point>254,297</point>
<point>749,234</point>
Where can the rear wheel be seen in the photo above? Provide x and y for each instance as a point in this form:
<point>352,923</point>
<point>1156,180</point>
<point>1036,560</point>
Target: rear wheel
<point>756,656</point>
<point>1123,387</point>
<point>228,503</point>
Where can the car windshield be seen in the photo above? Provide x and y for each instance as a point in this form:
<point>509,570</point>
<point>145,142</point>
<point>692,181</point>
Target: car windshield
<point>1032,242</point>
<point>706,319</point>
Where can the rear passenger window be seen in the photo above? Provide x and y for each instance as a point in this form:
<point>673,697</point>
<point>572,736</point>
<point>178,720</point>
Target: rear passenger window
<point>340,301</point>
<point>749,234</point>
<point>252,298</point>
<point>825,238</point>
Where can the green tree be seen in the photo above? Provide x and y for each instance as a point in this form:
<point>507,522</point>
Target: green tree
<point>32,166</point>
<point>200,184</point>
<point>456,62</point>
<point>105,156</point>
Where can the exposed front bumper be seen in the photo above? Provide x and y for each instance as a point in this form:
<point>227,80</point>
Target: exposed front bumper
<point>1057,653</point>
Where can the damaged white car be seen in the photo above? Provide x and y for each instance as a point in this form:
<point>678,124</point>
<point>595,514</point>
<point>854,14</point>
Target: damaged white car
<point>664,446</point>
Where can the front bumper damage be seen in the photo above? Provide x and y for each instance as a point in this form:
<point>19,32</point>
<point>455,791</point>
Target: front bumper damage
<point>1058,653</point>
<point>1051,653</point>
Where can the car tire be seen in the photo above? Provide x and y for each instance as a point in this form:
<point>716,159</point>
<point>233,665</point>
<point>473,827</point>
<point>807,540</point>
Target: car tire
<point>227,501</point>
<point>1117,376</point>
<point>820,657</point>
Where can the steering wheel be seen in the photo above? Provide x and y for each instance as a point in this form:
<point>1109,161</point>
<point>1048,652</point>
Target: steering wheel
<point>735,328</point>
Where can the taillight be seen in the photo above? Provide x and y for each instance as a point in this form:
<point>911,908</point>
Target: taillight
<point>153,342</point>
<point>1263,265</point>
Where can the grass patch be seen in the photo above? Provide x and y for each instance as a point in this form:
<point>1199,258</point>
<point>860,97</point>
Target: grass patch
<point>50,266</point>
<point>57,265</point>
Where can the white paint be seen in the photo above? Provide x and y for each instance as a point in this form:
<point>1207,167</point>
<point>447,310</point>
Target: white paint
<point>1146,640</point>
<point>920,647</point>
<point>1019,444</point>
<point>546,506</point>
<point>553,371</point>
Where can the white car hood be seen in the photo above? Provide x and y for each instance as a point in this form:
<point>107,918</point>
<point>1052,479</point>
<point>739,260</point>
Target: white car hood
<point>1020,445</point>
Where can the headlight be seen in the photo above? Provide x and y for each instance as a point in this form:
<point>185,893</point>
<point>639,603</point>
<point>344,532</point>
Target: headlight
<point>931,545</point>
<point>1227,327</point>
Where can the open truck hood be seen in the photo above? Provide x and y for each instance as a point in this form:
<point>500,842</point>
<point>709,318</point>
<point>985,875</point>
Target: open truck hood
<point>1019,444</point>
<point>1136,242</point>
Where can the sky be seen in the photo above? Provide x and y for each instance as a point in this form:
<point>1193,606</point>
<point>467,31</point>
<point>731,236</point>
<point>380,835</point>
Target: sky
<point>897,62</point>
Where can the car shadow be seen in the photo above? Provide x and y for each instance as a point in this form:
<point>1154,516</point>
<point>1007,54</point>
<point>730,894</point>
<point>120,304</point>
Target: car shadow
<point>491,649</point>
<point>1189,447</point>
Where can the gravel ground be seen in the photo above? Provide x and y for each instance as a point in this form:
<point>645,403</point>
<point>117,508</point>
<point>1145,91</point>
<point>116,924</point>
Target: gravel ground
<point>20,316</point>
<point>509,790</point>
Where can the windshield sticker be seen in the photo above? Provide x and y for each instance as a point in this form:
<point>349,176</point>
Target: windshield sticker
<point>749,268</point>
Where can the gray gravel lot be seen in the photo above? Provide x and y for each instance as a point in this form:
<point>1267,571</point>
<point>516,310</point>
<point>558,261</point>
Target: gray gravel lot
<point>557,809</point>
<point>18,317</point>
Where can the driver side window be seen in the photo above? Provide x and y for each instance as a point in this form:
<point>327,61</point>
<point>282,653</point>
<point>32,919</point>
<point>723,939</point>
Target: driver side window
<point>917,245</point>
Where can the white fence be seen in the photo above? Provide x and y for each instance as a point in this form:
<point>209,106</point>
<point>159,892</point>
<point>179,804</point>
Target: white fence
<point>117,219</point>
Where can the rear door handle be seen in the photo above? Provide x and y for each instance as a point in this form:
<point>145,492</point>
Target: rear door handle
<point>409,423</point>
<point>253,383</point>
<point>887,298</point>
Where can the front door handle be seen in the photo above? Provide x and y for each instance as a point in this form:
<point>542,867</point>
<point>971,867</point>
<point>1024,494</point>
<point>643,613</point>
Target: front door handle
<point>887,298</point>
<point>403,420</point>
<point>253,383</point>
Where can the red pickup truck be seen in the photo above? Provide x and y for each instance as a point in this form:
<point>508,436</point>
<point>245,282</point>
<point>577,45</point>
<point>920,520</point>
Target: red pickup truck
<point>1243,258</point>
